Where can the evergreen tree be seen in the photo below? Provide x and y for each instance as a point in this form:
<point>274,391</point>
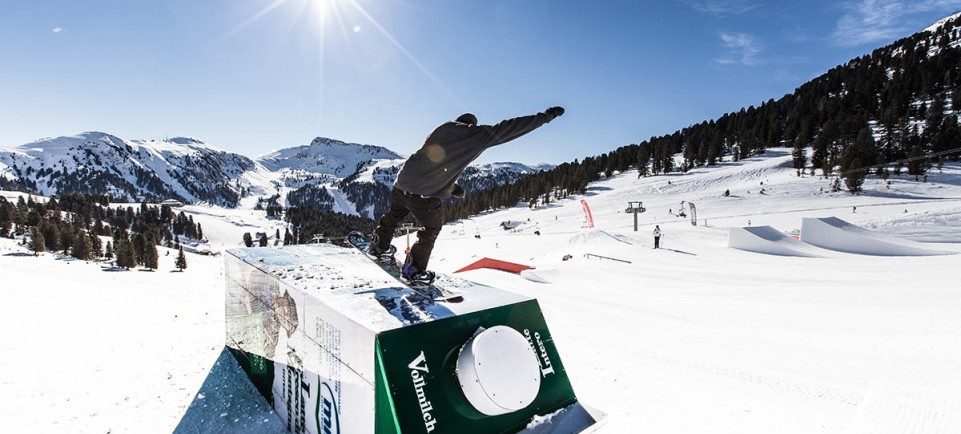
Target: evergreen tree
<point>263,240</point>
<point>96,245</point>
<point>643,159</point>
<point>81,248</point>
<point>98,227</point>
<point>798,158</point>
<point>138,248</point>
<point>248,239</point>
<point>916,162</point>
<point>124,252</point>
<point>67,237</point>
<point>823,144</point>
<point>181,263</point>
<point>6,217</point>
<point>854,175</point>
<point>151,256</point>
<point>108,252</point>
<point>51,235</point>
<point>37,243</point>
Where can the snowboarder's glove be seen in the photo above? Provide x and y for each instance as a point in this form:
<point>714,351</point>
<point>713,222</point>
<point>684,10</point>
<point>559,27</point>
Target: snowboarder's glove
<point>554,112</point>
<point>458,191</point>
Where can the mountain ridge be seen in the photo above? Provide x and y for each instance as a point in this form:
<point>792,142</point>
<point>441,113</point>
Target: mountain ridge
<point>327,173</point>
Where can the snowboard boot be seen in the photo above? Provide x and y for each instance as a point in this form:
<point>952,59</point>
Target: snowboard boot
<point>415,276</point>
<point>384,256</point>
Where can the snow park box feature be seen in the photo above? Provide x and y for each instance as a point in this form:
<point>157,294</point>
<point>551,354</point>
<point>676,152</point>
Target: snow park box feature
<point>336,345</point>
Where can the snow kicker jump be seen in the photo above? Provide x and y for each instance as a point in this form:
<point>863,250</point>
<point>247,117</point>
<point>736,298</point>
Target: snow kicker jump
<point>336,345</point>
<point>765,239</point>
<point>835,234</point>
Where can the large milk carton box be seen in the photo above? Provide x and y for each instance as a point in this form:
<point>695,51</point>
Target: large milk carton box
<point>336,345</point>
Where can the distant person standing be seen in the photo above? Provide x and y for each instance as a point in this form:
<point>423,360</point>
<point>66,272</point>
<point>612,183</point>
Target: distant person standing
<point>429,175</point>
<point>657,237</point>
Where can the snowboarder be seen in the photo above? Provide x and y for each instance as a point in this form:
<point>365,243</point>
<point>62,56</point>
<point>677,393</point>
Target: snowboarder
<point>429,175</point>
<point>657,237</point>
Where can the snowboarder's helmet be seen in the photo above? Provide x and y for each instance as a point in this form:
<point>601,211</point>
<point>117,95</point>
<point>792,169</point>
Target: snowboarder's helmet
<point>467,118</point>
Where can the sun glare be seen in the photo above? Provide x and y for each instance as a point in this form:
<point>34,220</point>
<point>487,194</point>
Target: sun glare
<point>323,14</point>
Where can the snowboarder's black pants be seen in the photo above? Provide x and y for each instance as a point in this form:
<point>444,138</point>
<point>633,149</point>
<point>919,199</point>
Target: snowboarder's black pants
<point>657,242</point>
<point>426,210</point>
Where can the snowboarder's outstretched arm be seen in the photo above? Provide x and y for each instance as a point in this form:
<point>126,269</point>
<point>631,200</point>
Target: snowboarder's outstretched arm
<point>511,129</point>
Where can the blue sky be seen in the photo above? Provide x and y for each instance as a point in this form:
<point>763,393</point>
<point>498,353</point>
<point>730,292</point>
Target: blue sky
<point>252,76</point>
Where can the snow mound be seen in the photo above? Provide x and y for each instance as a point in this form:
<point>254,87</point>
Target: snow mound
<point>584,241</point>
<point>541,276</point>
<point>766,239</point>
<point>891,407</point>
<point>835,234</point>
<point>597,239</point>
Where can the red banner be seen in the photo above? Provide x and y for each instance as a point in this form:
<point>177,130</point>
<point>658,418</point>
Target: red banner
<point>587,213</point>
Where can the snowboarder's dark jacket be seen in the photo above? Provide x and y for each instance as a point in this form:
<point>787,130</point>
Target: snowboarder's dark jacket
<point>451,147</point>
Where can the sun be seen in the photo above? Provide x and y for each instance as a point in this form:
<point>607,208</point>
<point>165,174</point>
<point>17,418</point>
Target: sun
<point>318,10</point>
<point>329,16</point>
<point>322,9</point>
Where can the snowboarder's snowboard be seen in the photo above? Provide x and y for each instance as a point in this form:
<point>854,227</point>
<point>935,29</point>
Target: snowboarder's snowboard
<point>428,290</point>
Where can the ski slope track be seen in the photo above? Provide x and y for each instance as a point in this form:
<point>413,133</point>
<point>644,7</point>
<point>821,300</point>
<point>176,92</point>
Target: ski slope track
<point>694,337</point>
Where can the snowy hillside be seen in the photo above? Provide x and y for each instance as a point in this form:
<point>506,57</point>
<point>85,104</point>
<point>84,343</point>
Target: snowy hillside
<point>489,175</point>
<point>940,23</point>
<point>694,337</point>
<point>180,168</point>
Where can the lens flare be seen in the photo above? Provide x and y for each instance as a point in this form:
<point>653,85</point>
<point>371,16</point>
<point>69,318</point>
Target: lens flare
<point>332,12</point>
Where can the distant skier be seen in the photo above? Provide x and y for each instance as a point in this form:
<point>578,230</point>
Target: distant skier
<point>429,175</point>
<point>657,237</point>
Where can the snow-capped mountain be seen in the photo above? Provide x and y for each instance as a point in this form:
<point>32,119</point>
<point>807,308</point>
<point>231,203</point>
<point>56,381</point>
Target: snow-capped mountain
<point>326,156</point>
<point>940,23</point>
<point>94,162</point>
<point>356,179</point>
<point>329,174</point>
<point>486,176</point>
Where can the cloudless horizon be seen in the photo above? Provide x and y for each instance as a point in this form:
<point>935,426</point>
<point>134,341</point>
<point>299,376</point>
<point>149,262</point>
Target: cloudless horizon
<point>253,76</point>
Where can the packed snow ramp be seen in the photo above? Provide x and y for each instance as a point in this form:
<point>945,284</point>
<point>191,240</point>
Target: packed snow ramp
<point>767,240</point>
<point>835,234</point>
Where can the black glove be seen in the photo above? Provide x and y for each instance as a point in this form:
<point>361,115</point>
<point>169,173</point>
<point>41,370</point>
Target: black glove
<point>555,111</point>
<point>457,191</point>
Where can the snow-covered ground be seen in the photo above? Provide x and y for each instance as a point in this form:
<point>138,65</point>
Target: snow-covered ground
<point>693,337</point>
